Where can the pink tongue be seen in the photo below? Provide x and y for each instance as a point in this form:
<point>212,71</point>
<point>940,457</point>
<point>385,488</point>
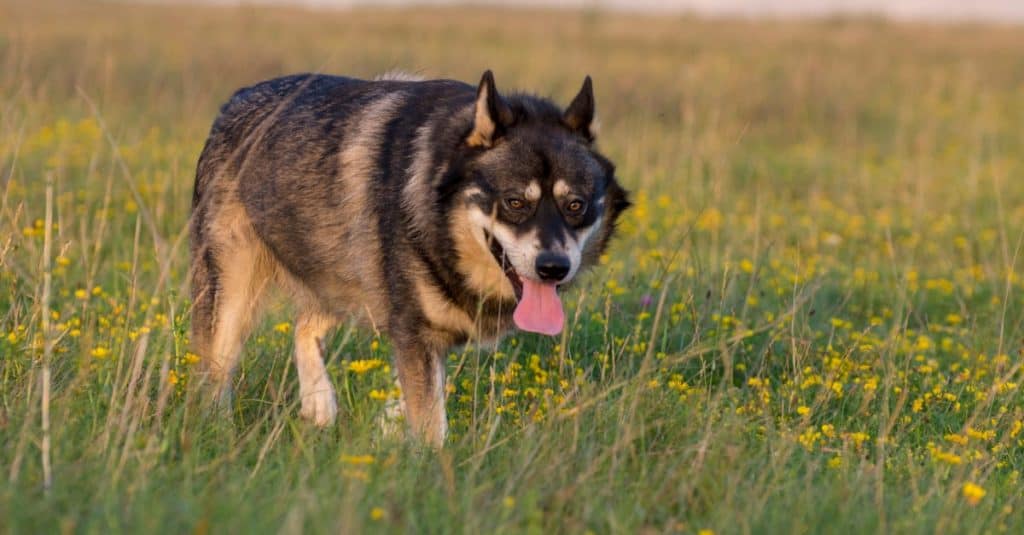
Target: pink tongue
<point>539,310</point>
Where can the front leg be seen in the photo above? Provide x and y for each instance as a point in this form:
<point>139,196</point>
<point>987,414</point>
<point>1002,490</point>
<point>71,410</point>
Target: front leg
<point>421,376</point>
<point>315,390</point>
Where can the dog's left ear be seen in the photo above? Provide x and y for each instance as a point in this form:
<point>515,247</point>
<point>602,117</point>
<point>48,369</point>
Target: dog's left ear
<point>579,116</point>
<point>491,116</point>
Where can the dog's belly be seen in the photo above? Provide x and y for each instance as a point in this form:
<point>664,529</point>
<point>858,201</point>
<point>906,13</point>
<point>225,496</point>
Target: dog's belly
<point>352,301</point>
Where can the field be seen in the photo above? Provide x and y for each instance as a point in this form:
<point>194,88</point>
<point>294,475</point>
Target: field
<point>812,320</point>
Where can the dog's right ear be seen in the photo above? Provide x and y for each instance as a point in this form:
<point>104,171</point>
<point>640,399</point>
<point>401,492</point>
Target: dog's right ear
<point>491,115</point>
<point>579,116</point>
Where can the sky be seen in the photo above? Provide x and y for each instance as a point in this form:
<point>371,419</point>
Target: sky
<point>1008,11</point>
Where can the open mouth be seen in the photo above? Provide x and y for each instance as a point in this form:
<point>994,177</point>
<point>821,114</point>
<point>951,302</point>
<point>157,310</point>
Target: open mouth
<point>538,307</point>
<point>499,256</point>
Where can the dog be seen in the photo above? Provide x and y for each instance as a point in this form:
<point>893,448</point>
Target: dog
<point>433,211</point>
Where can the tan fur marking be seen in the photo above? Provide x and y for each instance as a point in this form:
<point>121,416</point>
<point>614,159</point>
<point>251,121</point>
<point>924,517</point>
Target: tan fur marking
<point>483,125</point>
<point>532,192</point>
<point>241,284</point>
<point>475,261</point>
<point>521,251</point>
<point>418,190</point>
<point>361,288</point>
<point>595,126</point>
<point>358,155</point>
<point>440,311</point>
<point>561,188</point>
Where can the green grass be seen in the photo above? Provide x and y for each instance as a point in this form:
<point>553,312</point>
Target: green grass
<point>811,323</point>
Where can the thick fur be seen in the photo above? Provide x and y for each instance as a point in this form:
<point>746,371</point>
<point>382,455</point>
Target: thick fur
<point>380,201</point>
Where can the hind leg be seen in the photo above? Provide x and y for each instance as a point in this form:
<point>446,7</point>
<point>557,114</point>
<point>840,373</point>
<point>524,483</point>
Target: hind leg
<point>204,295</point>
<point>235,309</point>
<point>237,270</point>
<point>319,405</point>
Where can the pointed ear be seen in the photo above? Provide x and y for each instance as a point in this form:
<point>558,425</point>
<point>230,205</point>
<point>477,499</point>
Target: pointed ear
<point>492,115</point>
<point>579,116</point>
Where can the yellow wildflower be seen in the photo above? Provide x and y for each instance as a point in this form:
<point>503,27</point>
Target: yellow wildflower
<point>946,457</point>
<point>973,493</point>
<point>980,435</point>
<point>956,439</point>
<point>357,459</point>
<point>363,366</point>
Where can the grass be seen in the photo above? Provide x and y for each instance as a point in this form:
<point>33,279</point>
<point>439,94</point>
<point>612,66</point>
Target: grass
<point>811,323</point>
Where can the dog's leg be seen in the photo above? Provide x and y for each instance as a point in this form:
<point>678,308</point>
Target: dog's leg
<point>421,376</point>
<point>244,271</point>
<point>234,310</point>
<point>392,418</point>
<point>204,275</point>
<point>317,394</point>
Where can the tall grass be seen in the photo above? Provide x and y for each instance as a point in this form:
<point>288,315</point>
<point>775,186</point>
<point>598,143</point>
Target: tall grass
<point>811,322</point>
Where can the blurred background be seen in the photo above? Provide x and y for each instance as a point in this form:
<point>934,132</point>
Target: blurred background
<point>949,10</point>
<point>829,203</point>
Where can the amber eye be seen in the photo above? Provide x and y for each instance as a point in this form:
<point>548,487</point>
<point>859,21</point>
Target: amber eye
<point>515,204</point>
<point>575,207</point>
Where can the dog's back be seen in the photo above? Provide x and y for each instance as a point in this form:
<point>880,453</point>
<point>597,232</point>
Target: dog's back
<point>294,160</point>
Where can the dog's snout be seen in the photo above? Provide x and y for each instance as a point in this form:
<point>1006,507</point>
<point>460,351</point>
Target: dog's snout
<point>552,267</point>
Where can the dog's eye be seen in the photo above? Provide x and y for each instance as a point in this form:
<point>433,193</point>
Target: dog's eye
<point>575,207</point>
<point>515,204</point>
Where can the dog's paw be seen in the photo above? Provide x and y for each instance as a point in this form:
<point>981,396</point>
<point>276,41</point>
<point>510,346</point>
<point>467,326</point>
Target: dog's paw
<point>392,419</point>
<point>223,399</point>
<point>319,406</point>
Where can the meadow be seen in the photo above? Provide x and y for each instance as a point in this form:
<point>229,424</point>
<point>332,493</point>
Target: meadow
<point>812,320</point>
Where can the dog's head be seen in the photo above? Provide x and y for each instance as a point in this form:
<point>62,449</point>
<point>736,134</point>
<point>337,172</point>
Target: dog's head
<point>537,196</point>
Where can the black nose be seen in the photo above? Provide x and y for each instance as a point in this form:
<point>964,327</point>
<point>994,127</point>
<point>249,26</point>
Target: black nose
<point>552,267</point>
